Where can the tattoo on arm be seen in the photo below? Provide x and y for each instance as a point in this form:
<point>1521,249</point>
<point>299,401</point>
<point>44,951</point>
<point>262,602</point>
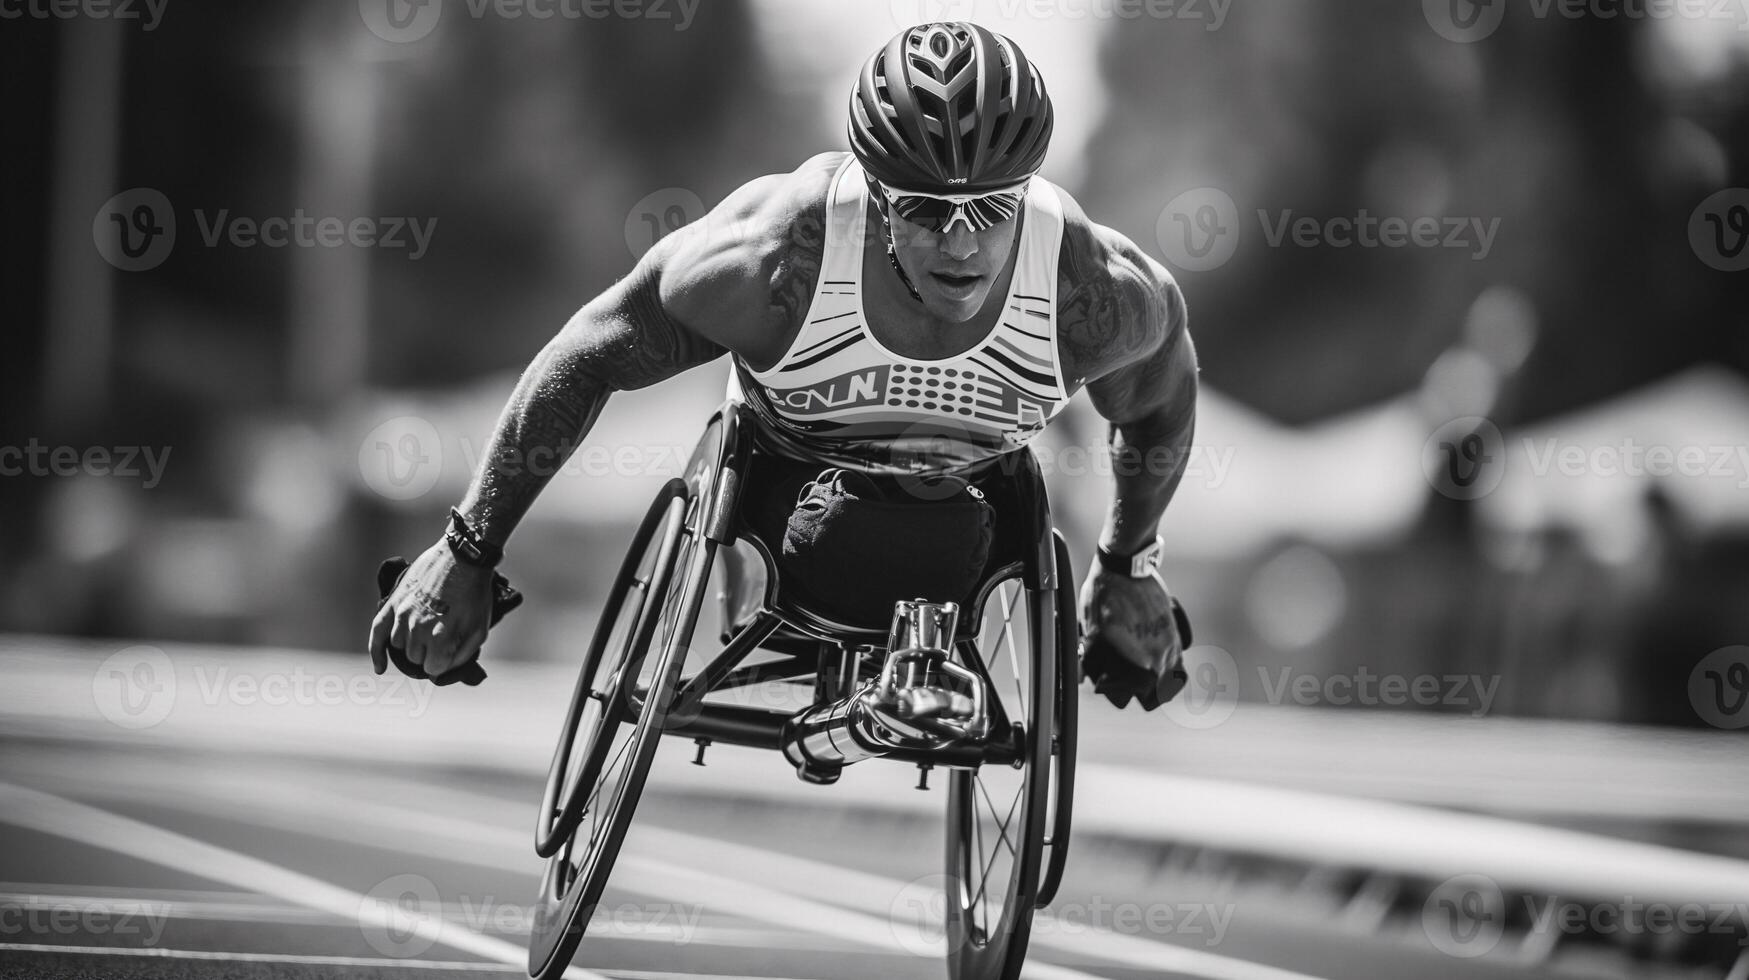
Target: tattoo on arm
<point>1150,401</point>
<point>797,271</point>
<point>1149,457</point>
<point>1106,316</point>
<point>622,341</point>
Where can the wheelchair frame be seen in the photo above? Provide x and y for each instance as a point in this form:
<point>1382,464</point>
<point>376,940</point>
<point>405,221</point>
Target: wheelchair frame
<point>713,483</point>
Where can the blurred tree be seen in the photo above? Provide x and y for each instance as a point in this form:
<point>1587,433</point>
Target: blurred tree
<point>1558,128</point>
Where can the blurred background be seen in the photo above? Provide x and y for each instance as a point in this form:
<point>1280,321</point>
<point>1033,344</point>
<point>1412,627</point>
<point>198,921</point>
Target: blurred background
<point>1465,535</point>
<point>314,408</point>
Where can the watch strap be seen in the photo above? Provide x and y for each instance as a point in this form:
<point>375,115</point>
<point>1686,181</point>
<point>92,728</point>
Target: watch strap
<point>468,546</point>
<point>1141,564</point>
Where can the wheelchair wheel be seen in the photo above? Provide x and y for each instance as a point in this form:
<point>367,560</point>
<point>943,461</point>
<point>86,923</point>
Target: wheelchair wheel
<point>614,723</point>
<point>998,817</point>
<point>1062,802</point>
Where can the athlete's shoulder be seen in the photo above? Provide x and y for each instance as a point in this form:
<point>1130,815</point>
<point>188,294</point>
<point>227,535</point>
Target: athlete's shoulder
<point>755,220</point>
<point>754,258</point>
<point>1115,304</point>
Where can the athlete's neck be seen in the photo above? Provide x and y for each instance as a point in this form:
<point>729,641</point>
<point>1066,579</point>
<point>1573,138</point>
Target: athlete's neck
<point>904,324</point>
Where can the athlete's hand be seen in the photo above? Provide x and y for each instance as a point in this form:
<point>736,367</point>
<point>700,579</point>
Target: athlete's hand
<point>437,615</point>
<point>1134,638</point>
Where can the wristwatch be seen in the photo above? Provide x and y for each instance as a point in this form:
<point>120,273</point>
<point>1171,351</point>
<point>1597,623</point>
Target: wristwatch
<point>467,544</point>
<point>1142,564</point>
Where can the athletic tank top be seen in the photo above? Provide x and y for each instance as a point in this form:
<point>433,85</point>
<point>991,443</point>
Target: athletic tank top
<point>837,395</point>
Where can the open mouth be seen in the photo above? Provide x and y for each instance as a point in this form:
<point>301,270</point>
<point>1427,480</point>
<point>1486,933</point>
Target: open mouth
<point>955,284</point>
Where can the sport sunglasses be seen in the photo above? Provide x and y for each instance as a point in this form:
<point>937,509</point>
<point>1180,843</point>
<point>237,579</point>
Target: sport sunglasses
<point>938,212</point>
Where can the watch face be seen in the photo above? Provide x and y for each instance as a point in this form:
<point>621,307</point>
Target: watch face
<point>1142,564</point>
<point>1145,563</point>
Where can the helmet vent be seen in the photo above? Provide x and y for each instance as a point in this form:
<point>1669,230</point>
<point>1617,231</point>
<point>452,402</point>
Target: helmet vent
<point>960,63</point>
<point>928,114</point>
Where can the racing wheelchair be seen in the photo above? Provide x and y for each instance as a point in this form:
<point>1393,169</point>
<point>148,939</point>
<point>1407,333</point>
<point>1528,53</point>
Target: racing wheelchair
<point>987,693</point>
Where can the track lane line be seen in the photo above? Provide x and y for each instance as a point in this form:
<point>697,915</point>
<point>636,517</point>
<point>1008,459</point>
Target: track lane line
<point>92,827</point>
<point>399,828</point>
<point>361,961</point>
<point>861,891</point>
<point>825,889</point>
<point>170,909</point>
<point>286,958</point>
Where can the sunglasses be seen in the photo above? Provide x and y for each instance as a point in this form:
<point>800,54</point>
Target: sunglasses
<point>938,212</point>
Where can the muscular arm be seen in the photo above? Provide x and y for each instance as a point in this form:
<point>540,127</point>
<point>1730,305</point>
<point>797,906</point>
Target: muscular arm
<point>1125,327</point>
<point>734,281</point>
<point>729,282</point>
<point>622,340</point>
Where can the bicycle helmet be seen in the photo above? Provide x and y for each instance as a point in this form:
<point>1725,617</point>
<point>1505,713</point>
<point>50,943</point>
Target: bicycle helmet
<point>949,108</point>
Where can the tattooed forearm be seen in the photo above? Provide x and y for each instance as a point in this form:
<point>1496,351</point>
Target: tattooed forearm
<point>1149,456</point>
<point>621,341</point>
<point>1150,401</point>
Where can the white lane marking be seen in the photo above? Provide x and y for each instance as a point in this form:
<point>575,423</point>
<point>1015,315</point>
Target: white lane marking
<point>417,832</point>
<point>884,896</point>
<point>92,827</point>
<point>139,902</point>
<point>822,889</point>
<point>364,961</point>
<point>668,974</point>
<point>777,907</point>
<point>394,827</point>
<point>221,911</point>
<point>203,954</point>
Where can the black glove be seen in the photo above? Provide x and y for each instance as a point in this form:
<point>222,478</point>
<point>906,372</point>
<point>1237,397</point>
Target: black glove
<point>504,599</point>
<point>1119,678</point>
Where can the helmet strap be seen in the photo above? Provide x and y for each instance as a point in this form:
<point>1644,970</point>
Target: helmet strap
<point>887,237</point>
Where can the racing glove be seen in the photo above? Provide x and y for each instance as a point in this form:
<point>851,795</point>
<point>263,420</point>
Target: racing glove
<point>504,599</point>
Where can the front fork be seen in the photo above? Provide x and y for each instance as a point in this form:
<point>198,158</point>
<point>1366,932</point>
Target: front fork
<point>922,701</point>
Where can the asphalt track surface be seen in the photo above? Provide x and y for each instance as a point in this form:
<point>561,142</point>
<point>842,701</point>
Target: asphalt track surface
<point>253,858</point>
<point>221,866</point>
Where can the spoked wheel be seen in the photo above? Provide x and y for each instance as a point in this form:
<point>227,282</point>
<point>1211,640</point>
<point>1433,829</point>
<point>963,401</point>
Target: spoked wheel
<point>610,736</point>
<point>618,708</point>
<point>998,816</point>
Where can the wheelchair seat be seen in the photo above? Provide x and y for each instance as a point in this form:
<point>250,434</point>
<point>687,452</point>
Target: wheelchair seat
<point>769,483</point>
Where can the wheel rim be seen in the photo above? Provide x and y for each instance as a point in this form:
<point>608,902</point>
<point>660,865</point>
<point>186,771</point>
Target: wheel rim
<point>1062,785</point>
<point>995,826</point>
<point>617,738</point>
<point>998,793</point>
<point>561,800</point>
<point>600,793</point>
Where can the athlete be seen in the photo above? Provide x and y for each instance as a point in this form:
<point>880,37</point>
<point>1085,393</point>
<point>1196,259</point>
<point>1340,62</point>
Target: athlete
<point>921,303</point>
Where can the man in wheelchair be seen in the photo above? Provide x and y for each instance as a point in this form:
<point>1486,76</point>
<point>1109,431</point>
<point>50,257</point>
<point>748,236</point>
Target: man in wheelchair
<point>901,320</point>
